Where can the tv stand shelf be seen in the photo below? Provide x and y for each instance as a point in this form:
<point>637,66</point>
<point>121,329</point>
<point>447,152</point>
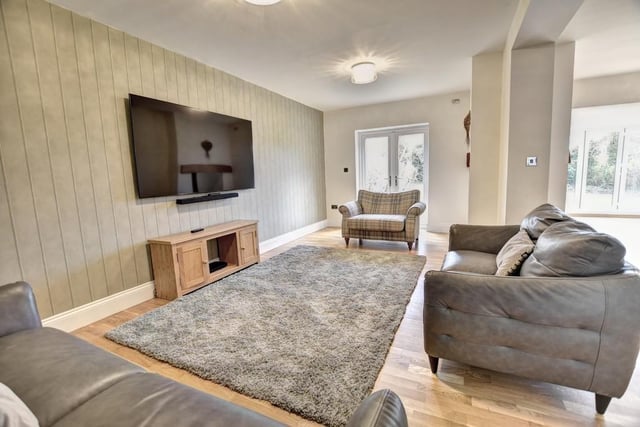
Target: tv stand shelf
<point>181,261</point>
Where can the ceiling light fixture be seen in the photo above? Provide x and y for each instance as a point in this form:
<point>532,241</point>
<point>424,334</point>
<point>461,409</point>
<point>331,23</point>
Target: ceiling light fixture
<point>262,2</point>
<point>363,73</point>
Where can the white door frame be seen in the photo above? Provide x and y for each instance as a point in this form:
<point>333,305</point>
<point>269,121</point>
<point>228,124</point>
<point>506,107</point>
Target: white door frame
<point>393,132</point>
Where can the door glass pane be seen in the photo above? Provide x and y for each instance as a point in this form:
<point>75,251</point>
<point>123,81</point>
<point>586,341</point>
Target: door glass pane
<point>630,195</point>
<point>601,155</point>
<point>376,164</point>
<point>573,201</point>
<point>411,162</point>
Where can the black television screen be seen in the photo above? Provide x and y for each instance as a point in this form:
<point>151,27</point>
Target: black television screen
<point>181,150</point>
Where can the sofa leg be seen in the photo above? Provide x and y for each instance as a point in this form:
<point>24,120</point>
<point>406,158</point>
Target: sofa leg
<point>360,242</point>
<point>602,402</point>
<point>433,362</point>
<point>410,244</point>
<point>346,240</point>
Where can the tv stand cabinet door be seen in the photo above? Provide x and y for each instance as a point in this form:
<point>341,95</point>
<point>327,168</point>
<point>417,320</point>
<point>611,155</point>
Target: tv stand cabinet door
<point>192,264</point>
<point>249,252</point>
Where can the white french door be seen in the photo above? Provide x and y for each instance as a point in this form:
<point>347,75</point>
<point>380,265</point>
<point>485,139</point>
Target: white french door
<point>393,159</point>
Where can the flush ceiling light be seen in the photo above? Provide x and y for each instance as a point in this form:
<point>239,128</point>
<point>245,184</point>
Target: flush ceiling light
<point>363,73</point>
<point>262,2</point>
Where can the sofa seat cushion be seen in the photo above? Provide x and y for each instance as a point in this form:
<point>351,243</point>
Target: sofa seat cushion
<point>377,222</point>
<point>470,262</point>
<point>54,372</point>
<point>147,399</point>
<point>573,248</point>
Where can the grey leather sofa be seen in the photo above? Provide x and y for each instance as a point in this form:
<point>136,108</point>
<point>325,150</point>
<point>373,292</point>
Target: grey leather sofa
<point>581,332</point>
<point>66,381</point>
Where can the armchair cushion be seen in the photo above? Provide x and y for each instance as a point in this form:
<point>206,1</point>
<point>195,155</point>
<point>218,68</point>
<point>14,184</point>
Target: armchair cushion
<point>513,254</point>
<point>377,222</point>
<point>573,248</point>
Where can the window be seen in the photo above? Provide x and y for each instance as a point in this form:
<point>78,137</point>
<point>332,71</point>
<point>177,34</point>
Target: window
<point>604,166</point>
<point>393,159</point>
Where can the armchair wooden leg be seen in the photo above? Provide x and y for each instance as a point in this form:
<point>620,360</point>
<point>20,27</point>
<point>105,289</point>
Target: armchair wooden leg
<point>410,244</point>
<point>433,363</point>
<point>602,402</point>
<point>346,240</point>
<point>360,242</point>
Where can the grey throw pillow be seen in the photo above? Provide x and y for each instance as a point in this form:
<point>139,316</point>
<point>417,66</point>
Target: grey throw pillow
<point>13,411</point>
<point>513,254</point>
<point>540,218</point>
<point>573,248</point>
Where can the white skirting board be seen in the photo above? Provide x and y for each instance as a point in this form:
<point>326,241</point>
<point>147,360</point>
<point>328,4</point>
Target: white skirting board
<point>82,316</point>
<point>282,239</point>
<point>99,309</point>
<point>438,228</point>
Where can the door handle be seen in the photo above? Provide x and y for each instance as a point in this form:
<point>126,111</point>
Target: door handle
<point>396,181</point>
<point>389,180</point>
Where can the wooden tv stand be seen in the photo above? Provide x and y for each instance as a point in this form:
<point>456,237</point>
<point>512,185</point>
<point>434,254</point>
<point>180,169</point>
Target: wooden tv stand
<point>183,262</point>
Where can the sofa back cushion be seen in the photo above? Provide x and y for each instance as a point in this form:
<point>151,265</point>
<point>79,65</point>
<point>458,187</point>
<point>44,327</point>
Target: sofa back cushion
<point>573,248</point>
<point>387,203</point>
<point>541,218</point>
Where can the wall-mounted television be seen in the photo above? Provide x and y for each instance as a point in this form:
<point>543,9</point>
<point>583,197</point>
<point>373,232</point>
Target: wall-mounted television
<point>180,150</point>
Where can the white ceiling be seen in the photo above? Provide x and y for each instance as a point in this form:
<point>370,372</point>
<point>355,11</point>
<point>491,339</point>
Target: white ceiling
<point>302,48</point>
<point>607,34</point>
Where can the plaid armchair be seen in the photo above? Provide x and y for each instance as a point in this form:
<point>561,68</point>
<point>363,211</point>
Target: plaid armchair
<point>383,216</point>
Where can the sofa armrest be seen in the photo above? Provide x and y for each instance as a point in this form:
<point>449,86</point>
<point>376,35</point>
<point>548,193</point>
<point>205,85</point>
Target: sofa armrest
<point>18,310</point>
<point>350,209</point>
<point>382,409</point>
<point>481,238</point>
<point>416,209</point>
<point>586,326</point>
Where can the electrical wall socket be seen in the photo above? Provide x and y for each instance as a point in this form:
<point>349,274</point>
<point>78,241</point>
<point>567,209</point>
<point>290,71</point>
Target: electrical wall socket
<point>334,206</point>
<point>532,161</point>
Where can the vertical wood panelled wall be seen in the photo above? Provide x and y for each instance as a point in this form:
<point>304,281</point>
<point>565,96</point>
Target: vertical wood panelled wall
<point>70,222</point>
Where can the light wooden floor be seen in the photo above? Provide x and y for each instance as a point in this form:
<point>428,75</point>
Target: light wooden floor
<point>459,395</point>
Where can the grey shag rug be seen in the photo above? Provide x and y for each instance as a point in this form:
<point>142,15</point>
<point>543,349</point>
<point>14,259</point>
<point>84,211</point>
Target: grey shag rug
<point>307,330</point>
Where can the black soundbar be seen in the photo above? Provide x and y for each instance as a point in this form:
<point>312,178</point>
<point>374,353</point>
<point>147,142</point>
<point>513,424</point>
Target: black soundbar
<point>206,198</point>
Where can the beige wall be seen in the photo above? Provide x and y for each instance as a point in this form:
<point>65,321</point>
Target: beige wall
<point>529,129</point>
<point>448,175</point>
<point>69,218</point>
<point>539,118</point>
<point>607,90</point>
<point>560,123</point>
<point>486,101</point>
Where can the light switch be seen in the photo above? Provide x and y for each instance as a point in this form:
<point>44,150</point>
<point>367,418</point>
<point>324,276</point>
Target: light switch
<point>532,161</point>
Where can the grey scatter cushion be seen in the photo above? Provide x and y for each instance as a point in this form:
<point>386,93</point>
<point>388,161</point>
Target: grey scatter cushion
<point>13,411</point>
<point>540,218</point>
<point>572,248</point>
<point>513,253</point>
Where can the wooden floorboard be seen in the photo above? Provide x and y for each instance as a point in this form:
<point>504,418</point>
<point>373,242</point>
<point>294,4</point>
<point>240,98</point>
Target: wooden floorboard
<point>459,395</point>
